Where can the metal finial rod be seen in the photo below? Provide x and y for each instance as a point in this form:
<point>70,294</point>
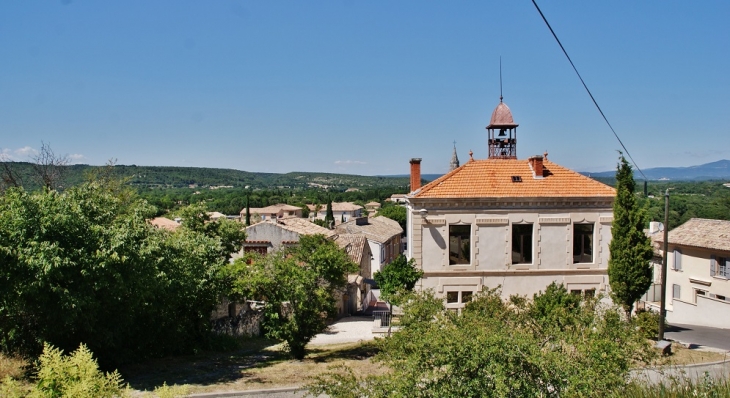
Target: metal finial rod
<point>500,78</point>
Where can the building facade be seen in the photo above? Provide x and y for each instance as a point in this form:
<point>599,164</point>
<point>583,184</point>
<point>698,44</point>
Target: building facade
<point>698,273</point>
<point>502,221</point>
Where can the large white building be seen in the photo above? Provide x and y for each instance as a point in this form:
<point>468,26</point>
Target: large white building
<point>516,223</point>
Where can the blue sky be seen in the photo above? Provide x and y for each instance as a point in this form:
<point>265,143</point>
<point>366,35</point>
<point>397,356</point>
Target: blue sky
<point>361,86</point>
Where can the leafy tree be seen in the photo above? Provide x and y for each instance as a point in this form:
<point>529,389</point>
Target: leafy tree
<point>396,213</point>
<point>396,278</point>
<point>85,266</point>
<point>495,348</point>
<point>298,287</point>
<point>551,307</point>
<point>629,271</point>
<point>231,234</point>
<point>248,212</point>
<point>329,217</point>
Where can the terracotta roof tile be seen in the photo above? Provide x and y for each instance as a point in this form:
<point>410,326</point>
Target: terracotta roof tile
<point>493,178</point>
<point>354,245</point>
<point>701,232</point>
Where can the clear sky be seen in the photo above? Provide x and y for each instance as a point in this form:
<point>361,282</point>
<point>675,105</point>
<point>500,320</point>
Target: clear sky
<point>360,87</point>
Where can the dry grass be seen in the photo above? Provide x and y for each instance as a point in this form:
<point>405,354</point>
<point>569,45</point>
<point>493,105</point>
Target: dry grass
<point>686,356</point>
<point>12,366</point>
<point>261,364</point>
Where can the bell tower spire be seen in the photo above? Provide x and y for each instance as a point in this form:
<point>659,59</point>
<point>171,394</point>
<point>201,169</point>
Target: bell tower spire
<point>454,160</point>
<point>504,145</point>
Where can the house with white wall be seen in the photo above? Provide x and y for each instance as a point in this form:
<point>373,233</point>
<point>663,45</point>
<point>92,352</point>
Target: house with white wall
<point>698,273</point>
<point>342,211</point>
<point>383,236</point>
<point>502,221</point>
<point>273,212</point>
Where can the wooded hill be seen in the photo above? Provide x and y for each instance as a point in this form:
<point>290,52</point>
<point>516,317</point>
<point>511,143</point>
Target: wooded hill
<point>183,177</point>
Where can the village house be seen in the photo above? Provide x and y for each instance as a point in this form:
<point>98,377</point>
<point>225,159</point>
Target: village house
<point>342,211</point>
<point>164,223</point>
<point>383,236</point>
<point>698,262</point>
<point>273,235</point>
<point>502,221</point>
<point>273,212</point>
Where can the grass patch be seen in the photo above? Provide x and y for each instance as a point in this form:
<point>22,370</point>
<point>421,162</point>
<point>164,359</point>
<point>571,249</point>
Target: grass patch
<point>682,355</point>
<point>260,363</point>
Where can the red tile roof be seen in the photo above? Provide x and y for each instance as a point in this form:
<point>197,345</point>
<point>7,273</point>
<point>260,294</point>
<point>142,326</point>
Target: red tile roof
<point>493,178</point>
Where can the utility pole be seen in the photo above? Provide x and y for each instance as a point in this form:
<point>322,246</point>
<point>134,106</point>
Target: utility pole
<point>662,307</point>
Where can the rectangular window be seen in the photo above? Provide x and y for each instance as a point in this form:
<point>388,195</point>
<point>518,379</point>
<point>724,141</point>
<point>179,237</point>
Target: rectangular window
<point>722,268</point>
<point>459,244</point>
<point>452,297</point>
<point>675,291</point>
<point>466,296</point>
<point>521,243</point>
<point>677,265</point>
<point>582,243</point>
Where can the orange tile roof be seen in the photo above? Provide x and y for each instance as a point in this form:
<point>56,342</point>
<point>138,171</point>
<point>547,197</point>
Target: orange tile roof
<point>493,178</point>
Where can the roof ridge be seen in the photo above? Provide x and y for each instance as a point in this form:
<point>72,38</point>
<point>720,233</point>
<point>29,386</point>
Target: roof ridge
<point>435,182</point>
<point>576,173</point>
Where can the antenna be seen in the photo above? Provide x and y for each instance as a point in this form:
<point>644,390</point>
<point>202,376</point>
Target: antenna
<point>500,78</point>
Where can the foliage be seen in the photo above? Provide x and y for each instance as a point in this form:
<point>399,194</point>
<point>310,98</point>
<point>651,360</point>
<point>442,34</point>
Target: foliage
<point>647,322</point>
<point>396,278</point>
<point>495,348</point>
<point>394,212</point>
<point>555,306</point>
<point>329,217</point>
<point>679,387</point>
<point>231,234</point>
<point>298,287</point>
<point>76,375</point>
<point>629,271</point>
<point>85,266</point>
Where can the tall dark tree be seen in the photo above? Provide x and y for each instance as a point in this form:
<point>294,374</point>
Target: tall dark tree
<point>248,212</point>
<point>629,272</point>
<point>329,218</point>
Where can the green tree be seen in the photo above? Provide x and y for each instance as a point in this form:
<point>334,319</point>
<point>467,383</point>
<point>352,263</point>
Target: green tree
<point>397,278</point>
<point>85,266</point>
<point>298,287</point>
<point>629,271</point>
<point>248,212</point>
<point>396,213</point>
<point>329,217</point>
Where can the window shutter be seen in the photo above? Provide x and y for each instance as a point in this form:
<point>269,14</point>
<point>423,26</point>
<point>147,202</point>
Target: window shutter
<point>712,265</point>
<point>675,291</point>
<point>678,259</point>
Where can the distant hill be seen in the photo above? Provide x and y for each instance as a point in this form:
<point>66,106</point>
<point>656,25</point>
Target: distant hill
<point>178,177</point>
<point>719,170</point>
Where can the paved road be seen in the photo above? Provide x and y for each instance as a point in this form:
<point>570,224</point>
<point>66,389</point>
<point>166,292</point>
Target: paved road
<point>700,335</point>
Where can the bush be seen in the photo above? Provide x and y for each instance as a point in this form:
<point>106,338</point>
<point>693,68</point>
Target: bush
<point>76,375</point>
<point>647,323</point>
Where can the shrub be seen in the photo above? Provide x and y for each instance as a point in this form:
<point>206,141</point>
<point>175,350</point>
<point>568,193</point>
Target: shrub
<point>647,322</point>
<point>76,375</point>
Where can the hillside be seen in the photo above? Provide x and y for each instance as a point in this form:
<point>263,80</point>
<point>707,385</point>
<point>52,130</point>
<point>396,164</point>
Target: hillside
<point>719,170</point>
<point>183,177</point>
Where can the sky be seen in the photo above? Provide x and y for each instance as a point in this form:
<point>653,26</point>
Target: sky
<point>360,87</point>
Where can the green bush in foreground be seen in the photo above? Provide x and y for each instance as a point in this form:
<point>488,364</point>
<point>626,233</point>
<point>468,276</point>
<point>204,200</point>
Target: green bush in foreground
<point>76,376</point>
<point>497,348</point>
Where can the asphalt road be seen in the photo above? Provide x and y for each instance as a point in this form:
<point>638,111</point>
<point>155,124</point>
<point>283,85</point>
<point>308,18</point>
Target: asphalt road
<point>699,335</point>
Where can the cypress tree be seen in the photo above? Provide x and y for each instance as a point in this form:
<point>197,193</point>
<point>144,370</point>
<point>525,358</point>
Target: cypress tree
<point>248,212</point>
<point>629,271</point>
<point>329,218</point>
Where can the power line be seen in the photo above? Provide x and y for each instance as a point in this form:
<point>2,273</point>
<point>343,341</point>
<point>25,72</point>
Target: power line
<point>587,90</point>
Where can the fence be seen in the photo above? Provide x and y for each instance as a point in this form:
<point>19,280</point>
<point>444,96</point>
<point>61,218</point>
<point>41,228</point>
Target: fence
<point>382,318</point>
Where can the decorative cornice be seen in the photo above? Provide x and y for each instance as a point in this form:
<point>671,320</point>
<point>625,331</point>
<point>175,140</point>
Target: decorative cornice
<point>492,221</point>
<point>605,220</point>
<point>595,271</point>
<point>512,203</point>
<point>554,220</point>
<point>435,221</point>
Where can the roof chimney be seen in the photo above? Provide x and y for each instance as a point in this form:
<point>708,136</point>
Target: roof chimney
<point>415,174</point>
<point>536,165</point>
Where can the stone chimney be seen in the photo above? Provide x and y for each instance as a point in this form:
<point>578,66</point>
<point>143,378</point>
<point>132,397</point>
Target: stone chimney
<point>536,164</point>
<point>415,174</point>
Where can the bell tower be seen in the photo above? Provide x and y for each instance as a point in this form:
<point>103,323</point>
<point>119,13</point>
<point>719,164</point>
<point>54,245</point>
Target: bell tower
<point>504,144</point>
